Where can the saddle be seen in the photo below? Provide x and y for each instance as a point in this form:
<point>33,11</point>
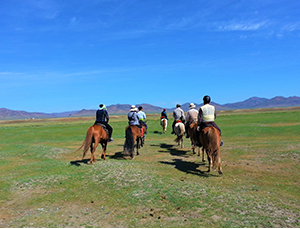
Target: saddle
<point>103,126</point>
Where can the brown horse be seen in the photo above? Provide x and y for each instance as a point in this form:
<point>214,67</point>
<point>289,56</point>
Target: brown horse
<point>193,136</point>
<point>95,135</point>
<point>210,139</point>
<point>133,135</point>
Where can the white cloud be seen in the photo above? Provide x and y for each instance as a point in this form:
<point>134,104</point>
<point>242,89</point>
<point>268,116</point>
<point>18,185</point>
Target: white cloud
<point>244,26</point>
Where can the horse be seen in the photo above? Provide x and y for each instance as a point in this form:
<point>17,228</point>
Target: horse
<point>95,135</point>
<point>193,136</point>
<point>179,130</point>
<point>133,137</point>
<point>210,138</point>
<point>164,123</point>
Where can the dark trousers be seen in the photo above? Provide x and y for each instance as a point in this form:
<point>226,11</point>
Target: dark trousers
<point>143,123</point>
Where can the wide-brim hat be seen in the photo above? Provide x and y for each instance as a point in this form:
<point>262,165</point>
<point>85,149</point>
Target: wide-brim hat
<point>192,105</point>
<point>133,108</point>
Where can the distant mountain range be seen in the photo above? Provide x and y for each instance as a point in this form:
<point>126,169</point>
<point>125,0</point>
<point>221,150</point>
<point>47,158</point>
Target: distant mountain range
<point>121,109</point>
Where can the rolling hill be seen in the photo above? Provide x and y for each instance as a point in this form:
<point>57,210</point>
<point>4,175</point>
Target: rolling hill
<point>121,109</point>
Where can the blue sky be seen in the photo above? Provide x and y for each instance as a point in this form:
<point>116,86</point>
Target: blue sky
<point>59,55</point>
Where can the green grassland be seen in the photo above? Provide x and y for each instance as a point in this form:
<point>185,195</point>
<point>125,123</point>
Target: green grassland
<point>44,183</point>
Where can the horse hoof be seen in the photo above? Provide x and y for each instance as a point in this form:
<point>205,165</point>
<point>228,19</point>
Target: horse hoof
<point>220,172</point>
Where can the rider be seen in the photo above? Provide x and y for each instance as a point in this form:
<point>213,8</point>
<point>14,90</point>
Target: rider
<point>207,115</point>
<point>142,117</point>
<point>103,118</point>
<point>163,115</point>
<point>178,114</point>
<point>133,119</point>
<point>191,117</point>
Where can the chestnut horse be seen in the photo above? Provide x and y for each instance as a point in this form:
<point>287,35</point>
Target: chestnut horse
<point>133,137</point>
<point>193,136</point>
<point>210,138</point>
<point>95,135</point>
<point>179,130</point>
<point>164,123</point>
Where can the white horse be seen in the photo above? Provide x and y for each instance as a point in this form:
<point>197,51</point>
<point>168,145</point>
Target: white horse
<point>164,123</point>
<point>179,130</point>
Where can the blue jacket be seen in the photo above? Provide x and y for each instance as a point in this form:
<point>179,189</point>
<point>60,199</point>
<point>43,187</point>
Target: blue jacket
<point>133,118</point>
<point>102,115</point>
<point>164,114</point>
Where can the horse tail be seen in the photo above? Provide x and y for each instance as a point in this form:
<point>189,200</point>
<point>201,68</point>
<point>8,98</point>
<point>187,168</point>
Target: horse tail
<point>129,144</point>
<point>87,141</point>
<point>181,132</point>
<point>178,139</point>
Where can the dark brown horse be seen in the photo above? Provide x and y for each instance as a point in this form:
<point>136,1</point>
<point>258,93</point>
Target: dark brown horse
<point>95,135</point>
<point>210,138</point>
<point>193,136</point>
<point>134,137</point>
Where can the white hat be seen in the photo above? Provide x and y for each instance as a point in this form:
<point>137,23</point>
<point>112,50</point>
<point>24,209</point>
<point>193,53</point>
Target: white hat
<point>192,105</point>
<point>133,108</point>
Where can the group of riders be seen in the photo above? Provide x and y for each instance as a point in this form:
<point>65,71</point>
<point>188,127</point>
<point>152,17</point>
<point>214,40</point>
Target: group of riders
<point>204,117</point>
<point>136,117</point>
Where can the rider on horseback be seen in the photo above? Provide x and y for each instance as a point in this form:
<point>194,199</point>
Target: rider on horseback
<point>103,118</point>
<point>133,118</point>
<point>178,115</point>
<point>191,117</point>
<point>142,117</point>
<point>163,115</point>
<point>207,115</point>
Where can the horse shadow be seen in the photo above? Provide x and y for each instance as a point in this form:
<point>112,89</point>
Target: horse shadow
<point>157,132</point>
<point>173,151</point>
<point>188,167</point>
<point>118,156</point>
<point>79,162</point>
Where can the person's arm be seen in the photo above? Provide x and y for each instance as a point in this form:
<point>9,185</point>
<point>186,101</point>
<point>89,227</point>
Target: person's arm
<point>97,115</point>
<point>215,113</point>
<point>187,116</point>
<point>199,116</point>
<point>106,115</point>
